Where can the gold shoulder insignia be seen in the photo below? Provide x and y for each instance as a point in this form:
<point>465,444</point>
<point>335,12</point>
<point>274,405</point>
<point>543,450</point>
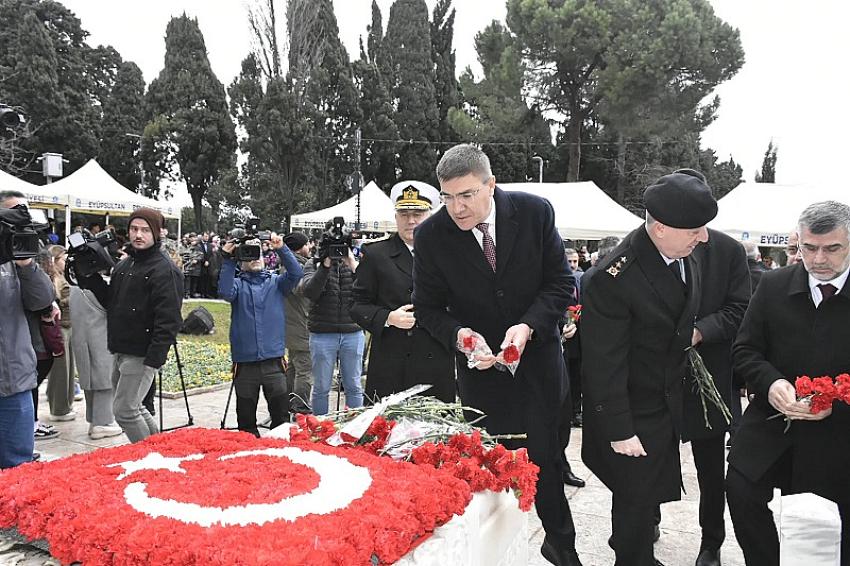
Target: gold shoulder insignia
<point>614,269</point>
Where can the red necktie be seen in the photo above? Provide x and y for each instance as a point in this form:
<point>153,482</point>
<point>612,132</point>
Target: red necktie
<point>488,244</point>
<point>827,290</point>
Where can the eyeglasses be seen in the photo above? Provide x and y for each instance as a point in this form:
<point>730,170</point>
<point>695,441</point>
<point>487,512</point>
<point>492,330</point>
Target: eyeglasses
<point>465,197</point>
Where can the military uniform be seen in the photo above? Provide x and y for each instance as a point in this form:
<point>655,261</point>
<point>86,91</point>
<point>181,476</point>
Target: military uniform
<point>399,358</point>
<point>637,322</point>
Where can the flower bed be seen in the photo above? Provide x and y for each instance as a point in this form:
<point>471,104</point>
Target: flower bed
<point>204,364</point>
<point>204,496</point>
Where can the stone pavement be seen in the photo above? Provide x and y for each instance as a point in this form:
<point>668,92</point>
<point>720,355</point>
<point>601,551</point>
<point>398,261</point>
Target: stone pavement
<point>591,505</point>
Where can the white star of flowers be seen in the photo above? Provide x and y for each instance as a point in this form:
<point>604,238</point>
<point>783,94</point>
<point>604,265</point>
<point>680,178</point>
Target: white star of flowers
<point>154,461</point>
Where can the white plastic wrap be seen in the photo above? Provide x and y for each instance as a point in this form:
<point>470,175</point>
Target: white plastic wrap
<point>809,531</point>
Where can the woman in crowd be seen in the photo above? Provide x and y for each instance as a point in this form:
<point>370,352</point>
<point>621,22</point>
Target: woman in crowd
<point>60,380</point>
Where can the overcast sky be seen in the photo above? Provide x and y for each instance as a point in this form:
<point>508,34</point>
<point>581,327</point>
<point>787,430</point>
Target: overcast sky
<point>793,87</point>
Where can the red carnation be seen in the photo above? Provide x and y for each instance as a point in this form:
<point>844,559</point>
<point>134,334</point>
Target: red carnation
<point>510,354</point>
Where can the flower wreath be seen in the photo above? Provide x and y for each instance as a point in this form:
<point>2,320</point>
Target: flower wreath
<point>201,496</point>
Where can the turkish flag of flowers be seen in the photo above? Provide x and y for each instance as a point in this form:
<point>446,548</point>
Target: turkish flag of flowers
<point>200,496</point>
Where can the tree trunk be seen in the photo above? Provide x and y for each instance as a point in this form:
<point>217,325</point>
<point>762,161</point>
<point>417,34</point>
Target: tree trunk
<point>574,149</point>
<point>198,206</point>
<point>621,169</point>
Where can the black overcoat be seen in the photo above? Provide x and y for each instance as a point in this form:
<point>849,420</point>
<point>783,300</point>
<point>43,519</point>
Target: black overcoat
<point>723,301</point>
<point>455,287</point>
<point>637,320</point>
<point>398,359</point>
<point>784,336</point>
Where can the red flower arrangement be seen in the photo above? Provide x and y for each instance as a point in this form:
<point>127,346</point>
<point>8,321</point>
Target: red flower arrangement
<point>85,508</point>
<point>496,469</point>
<point>463,455</point>
<point>823,391</point>
<point>573,314</point>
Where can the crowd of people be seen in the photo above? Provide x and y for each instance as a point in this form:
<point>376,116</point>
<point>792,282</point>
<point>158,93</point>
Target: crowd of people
<point>606,341</point>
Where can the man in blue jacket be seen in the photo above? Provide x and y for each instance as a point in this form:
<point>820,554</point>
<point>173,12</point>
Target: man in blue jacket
<point>257,326</point>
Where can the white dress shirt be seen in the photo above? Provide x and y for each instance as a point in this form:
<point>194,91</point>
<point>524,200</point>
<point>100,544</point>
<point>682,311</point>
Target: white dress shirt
<point>838,283</point>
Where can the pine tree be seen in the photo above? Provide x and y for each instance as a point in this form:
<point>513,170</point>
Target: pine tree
<point>494,113</point>
<point>189,102</point>
<point>407,49</point>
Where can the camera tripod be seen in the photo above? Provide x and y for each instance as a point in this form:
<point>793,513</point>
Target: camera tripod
<point>227,404</point>
<point>190,421</point>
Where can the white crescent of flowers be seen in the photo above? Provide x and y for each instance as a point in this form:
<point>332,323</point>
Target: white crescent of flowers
<point>340,483</point>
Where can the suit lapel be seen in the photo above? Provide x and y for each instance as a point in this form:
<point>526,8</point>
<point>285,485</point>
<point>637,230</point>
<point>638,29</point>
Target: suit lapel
<point>467,246</point>
<point>401,257</point>
<point>669,291</point>
<point>506,230</point>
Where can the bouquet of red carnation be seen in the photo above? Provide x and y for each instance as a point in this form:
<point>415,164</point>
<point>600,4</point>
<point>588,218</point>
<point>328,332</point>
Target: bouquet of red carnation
<point>573,314</point>
<point>820,392</point>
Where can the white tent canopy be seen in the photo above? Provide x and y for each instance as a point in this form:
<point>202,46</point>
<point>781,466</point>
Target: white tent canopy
<point>91,189</point>
<point>40,197</point>
<point>582,210</point>
<point>377,212</point>
<point>764,213</point>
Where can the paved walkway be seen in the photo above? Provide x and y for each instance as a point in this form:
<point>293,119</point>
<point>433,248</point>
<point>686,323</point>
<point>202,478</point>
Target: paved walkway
<point>591,505</point>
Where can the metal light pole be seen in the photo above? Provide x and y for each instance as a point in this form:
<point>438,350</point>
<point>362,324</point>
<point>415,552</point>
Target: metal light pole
<point>540,160</point>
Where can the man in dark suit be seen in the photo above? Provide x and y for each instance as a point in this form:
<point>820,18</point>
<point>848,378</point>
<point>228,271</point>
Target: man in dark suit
<point>723,301</point>
<point>402,354</point>
<point>639,306</point>
<point>796,325</point>
<point>493,262</point>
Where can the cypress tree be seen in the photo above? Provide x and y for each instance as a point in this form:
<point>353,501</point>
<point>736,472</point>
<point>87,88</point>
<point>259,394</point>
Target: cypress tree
<point>188,104</point>
<point>123,113</point>
<point>407,48</point>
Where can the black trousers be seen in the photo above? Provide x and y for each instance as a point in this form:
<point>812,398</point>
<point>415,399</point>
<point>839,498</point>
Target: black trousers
<point>574,372</point>
<point>543,446</point>
<point>250,378</point>
<point>567,412</point>
<point>709,456</point>
<point>631,531</point>
<point>753,521</point>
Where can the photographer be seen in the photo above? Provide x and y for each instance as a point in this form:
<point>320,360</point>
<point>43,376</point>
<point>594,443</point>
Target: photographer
<point>257,322</point>
<point>329,284</point>
<point>142,302</point>
<point>23,286</point>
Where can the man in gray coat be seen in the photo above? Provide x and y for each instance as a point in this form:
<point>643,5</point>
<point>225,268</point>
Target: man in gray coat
<point>23,286</point>
<point>299,374</point>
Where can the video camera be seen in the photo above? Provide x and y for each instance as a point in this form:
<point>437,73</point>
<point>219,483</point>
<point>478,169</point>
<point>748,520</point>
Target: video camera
<point>88,254</point>
<point>241,235</point>
<point>21,230</point>
<point>336,240</point>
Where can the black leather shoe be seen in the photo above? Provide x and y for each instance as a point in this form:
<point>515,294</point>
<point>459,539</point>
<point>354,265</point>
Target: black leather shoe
<point>708,557</point>
<point>573,480</point>
<point>559,556</point>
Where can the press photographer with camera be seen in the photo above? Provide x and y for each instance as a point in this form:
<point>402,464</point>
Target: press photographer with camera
<point>142,301</point>
<point>23,287</point>
<point>329,284</point>
<point>257,325</point>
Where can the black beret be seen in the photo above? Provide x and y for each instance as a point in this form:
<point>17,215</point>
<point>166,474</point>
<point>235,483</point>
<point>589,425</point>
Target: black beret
<point>680,200</point>
<point>295,240</point>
